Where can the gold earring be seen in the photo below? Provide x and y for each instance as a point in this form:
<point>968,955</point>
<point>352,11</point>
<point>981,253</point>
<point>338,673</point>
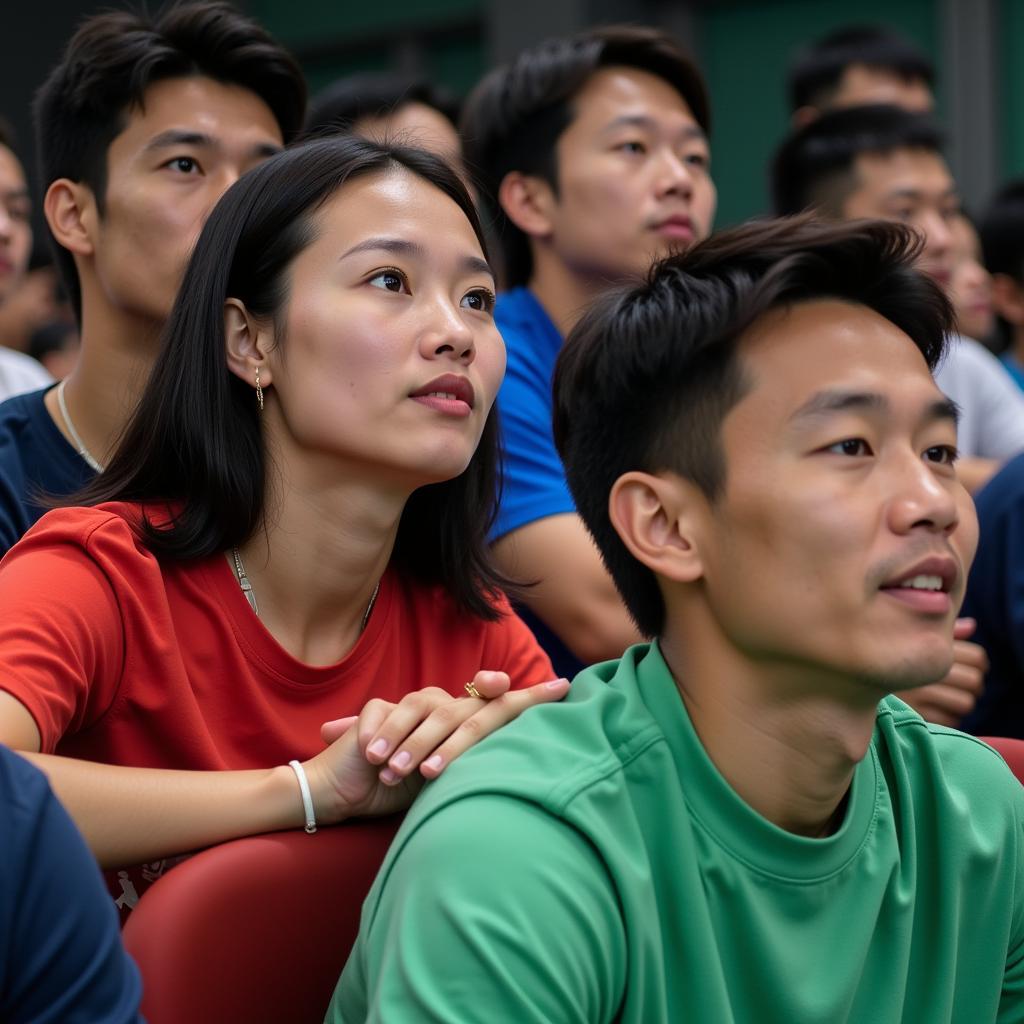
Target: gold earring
<point>259,390</point>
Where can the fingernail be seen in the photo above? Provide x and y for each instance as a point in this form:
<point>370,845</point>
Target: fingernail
<point>378,747</point>
<point>434,763</point>
<point>399,761</point>
<point>388,777</point>
<point>557,684</point>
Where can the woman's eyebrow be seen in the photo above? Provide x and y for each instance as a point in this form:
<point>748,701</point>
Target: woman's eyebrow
<point>403,247</point>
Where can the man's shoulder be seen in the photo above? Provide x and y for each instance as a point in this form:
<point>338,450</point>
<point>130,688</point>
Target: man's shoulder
<point>1005,491</point>
<point>525,326</point>
<point>947,765</point>
<point>20,373</point>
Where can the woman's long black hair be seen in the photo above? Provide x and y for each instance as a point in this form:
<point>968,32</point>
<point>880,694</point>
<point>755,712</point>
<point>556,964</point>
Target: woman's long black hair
<point>195,443</point>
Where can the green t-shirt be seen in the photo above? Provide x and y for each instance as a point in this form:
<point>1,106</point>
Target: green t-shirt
<point>588,863</point>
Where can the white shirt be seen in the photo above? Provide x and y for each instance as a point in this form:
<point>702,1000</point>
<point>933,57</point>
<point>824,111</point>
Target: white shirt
<point>991,405</point>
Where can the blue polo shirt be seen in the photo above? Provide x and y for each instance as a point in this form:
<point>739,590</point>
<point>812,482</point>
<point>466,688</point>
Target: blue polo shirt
<point>35,460</point>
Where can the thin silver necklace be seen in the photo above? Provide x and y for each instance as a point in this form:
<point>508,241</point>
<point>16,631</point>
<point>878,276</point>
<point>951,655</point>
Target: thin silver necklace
<point>90,459</point>
<point>243,582</point>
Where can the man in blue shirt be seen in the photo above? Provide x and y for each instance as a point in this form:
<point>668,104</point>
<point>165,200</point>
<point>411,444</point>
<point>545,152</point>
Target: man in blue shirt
<point>593,151</point>
<point>141,127</point>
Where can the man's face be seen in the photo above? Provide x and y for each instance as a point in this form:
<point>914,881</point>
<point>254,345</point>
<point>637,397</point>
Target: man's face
<point>842,540</point>
<point>861,84</point>
<point>634,180</point>
<point>913,186</point>
<point>15,225</point>
<point>165,172</point>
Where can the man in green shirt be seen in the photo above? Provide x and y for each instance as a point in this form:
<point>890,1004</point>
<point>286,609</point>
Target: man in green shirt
<point>736,823</point>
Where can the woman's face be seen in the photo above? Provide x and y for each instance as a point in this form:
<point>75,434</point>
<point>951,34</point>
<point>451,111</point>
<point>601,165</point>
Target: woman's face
<point>390,359</point>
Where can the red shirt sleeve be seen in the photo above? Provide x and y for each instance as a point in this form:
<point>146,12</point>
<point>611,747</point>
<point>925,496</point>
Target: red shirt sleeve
<point>61,633</point>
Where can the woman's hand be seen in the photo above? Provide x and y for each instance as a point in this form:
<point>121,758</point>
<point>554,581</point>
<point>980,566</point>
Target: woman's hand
<point>377,761</point>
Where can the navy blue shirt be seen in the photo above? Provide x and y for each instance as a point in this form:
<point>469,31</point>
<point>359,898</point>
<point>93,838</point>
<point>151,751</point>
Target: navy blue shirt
<point>61,958</point>
<point>995,597</point>
<point>35,460</point>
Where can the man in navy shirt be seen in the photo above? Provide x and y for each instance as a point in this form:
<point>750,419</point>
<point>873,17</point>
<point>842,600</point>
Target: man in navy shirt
<point>593,151</point>
<point>141,127</point>
<point>61,957</point>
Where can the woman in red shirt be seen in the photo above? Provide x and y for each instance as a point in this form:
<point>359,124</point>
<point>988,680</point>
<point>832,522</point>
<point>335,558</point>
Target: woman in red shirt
<point>281,578</point>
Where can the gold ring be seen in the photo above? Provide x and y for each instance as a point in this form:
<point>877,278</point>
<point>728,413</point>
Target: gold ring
<point>474,692</point>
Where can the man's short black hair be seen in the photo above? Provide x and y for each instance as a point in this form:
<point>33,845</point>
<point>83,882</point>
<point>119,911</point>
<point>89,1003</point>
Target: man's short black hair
<point>649,373</point>
<point>1001,232</point>
<point>816,72</point>
<point>814,166</point>
<point>111,61</point>
<point>373,94</point>
<point>513,118</point>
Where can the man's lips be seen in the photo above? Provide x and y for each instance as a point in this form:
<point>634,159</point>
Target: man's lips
<point>450,393</point>
<point>925,586</point>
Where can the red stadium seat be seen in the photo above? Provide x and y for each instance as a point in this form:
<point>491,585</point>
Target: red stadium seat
<point>1012,751</point>
<point>255,930</point>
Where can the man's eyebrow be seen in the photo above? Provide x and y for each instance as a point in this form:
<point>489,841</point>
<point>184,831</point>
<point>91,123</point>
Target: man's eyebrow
<point>404,247</point>
<point>690,131</point>
<point>181,137</point>
<point>828,403</point>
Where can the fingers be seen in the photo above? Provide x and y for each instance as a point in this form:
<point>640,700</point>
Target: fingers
<point>491,684</point>
<point>963,629</point>
<point>334,730</point>
<point>384,727</point>
<point>446,745</point>
<point>942,703</point>
<point>970,656</point>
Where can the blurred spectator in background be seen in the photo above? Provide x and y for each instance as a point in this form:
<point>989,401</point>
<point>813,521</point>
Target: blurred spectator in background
<point>970,287</point>
<point>18,372</point>
<point>34,301</point>
<point>56,346</point>
<point>857,66</point>
<point>389,107</point>
<point>882,161</point>
<point>1002,242</point>
<point>592,152</point>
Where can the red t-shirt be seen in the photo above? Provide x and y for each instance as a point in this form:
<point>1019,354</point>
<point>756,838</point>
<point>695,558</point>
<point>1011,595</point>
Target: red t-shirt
<point>124,661</point>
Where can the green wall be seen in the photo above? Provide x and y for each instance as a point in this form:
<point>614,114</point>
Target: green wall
<point>1011,86</point>
<point>745,48</point>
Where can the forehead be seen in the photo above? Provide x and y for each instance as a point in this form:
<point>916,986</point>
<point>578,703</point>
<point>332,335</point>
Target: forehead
<point>616,91</point>
<point>862,84</point>
<point>224,111</point>
<point>917,170</point>
<point>792,353</point>
<point>396,204</point>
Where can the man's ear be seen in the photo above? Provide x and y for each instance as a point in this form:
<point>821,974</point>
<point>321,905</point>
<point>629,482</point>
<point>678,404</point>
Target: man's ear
<point>658,518</point>
<point>1008,299</point>
<point>70,211</point>
<point>527,201</point>
<point>246,344</point>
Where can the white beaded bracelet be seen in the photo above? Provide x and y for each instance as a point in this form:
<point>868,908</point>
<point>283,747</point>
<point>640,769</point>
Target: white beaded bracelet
<point>307,797</point>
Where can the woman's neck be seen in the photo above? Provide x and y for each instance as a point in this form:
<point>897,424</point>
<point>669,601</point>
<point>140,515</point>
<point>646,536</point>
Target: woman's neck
<point>315,566</point>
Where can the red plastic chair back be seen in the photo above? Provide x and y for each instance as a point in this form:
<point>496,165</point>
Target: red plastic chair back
<point>257,929</point>
<point>1012,751</point>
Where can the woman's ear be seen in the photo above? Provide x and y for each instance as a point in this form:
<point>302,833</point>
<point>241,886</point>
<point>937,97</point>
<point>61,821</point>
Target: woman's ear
<point>659,518</point>
<point>246,344</point>
<point>527,200</point>
<point>70,211</point>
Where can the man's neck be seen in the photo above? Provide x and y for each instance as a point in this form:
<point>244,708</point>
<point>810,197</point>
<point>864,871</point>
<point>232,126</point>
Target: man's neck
<point>562,292</point>
<point>101,393</point>
<point>785,742</point>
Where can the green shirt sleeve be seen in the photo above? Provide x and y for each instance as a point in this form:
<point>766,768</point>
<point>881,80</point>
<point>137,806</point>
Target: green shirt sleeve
<point>492,909</point>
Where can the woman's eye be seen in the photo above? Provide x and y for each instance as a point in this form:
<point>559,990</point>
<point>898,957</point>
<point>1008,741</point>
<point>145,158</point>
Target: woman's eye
<point>184,164</point>
<point>943,454</point>
<point>390,280</point>
<point>850,446</point>
<point>481,300</point>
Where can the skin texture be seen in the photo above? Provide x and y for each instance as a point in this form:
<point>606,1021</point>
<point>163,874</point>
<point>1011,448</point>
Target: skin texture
<point>970,288</point>
<point>366,325</point>
<point>778,631</point>
<point>177,155</point>
<point>632,158</point>
<point>15,228</point>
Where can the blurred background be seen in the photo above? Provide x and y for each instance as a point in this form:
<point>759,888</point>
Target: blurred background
<point>743,46</point>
